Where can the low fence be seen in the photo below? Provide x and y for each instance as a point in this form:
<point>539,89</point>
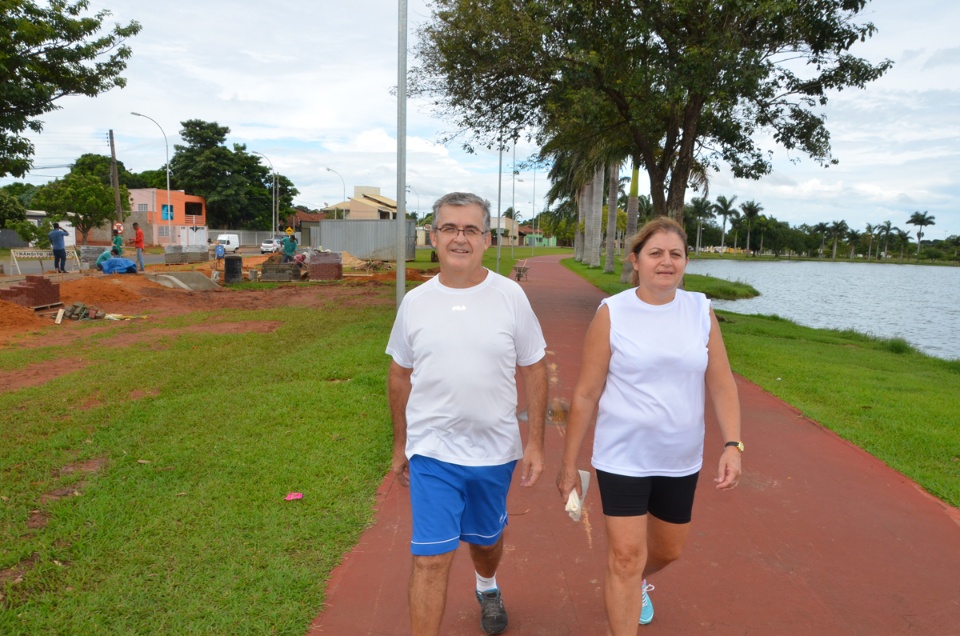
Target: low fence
<point>38,255</point>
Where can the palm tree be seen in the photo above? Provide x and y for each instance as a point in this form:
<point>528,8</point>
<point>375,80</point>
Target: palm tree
<point>751,210</point>
<point>763,223</point>
<point>921,220</point>
<point>735,226</point>
<point>724,207</point>
<point>885,228</point>
<point>870,233</point>
<point>700,209</point>
<point>613,190</point>
<point>904,237</point>
<point>837,228</point>
<point>853,237</point>
<point>822,229</point>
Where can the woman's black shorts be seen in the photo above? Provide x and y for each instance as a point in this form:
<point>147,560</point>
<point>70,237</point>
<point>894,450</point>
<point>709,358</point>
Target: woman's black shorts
<point>669,499</point>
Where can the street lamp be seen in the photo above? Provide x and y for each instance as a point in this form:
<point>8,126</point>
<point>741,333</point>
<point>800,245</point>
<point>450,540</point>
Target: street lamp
<point>409,187</point>
<point>342,182</point>
<point>274,211</point>
<point>513,201</point>
<point>167,148</point>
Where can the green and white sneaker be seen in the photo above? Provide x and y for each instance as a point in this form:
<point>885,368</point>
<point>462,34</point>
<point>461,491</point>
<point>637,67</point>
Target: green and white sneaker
<point>646,611</point>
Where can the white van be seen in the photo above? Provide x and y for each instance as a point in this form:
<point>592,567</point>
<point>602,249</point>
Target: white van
<point>230,242</point>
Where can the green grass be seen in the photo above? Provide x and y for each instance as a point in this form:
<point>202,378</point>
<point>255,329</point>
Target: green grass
<point>896,403</point>
<point>507,260</point>
<point>185,530</point>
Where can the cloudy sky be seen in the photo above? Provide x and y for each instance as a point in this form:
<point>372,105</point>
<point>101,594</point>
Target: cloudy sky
<point>308,84</point>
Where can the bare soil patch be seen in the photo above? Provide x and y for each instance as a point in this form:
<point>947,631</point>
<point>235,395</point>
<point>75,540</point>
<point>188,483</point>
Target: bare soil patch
<point>144,301</point>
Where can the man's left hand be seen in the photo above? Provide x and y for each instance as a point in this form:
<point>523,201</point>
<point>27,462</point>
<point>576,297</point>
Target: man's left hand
<point>532,466</point>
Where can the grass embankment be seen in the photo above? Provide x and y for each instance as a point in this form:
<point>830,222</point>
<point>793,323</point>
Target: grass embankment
<point>712,287</point>
<point>508,257</point>
<point>185,529</point>
<point>881,394</point>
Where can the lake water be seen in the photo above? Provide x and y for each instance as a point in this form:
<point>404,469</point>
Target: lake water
<point>918,304</point>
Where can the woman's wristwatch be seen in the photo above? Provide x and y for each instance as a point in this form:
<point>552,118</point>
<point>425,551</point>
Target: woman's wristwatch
<point>738,445</point>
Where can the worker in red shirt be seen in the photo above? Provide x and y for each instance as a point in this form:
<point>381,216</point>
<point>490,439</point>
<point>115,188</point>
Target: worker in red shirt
<point>138,243</point>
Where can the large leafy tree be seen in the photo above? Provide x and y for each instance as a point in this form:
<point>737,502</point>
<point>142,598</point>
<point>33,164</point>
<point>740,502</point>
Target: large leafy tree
<point>50,50</point>
<point>685,85</point>
<point>11,210</point>
<point>99,167</point>
<point>23,192</point>
<point>13,216</point>
<point>237,187</point>
<point>81,198</point>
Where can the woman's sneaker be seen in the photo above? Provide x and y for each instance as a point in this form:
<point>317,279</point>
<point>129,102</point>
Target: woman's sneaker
<point>646,610</point>
<point>493,618</point>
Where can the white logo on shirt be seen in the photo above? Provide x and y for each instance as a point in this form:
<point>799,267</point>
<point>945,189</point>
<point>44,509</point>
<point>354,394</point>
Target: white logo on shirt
<point>459,308</point>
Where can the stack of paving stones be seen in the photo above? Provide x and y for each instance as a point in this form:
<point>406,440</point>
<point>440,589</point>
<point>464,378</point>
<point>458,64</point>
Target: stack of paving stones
<point>279,272</point>
<point>173,254</point>
<point>90,253</point>
<point>326,266</point>
<point>195,254</point>
<point>80,311</point>
<point>35,291</point>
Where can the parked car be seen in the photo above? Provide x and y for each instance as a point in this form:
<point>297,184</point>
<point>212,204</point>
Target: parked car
<point>271,245</point>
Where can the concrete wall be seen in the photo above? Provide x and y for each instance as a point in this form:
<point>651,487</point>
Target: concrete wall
<point>368,240</point>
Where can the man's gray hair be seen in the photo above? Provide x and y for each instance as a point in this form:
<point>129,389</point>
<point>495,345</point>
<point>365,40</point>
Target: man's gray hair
<point>460,199</point>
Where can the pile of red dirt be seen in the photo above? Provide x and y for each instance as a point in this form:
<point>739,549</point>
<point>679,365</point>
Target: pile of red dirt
<point>101,290</point>
<point>15,317</point>
<point>412,274</point>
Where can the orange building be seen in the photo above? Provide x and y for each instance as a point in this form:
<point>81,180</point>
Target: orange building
<point>183,223</point>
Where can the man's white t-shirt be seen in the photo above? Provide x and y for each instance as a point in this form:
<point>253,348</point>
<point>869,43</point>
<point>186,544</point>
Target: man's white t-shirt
<point>650,416</point>
<point>464,346</point>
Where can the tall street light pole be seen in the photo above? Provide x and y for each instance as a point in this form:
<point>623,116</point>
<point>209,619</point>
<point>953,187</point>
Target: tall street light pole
<point>513,194</point>
<point>166,147</point>
<point>533,208</point>
<point>401,244</point>
<point>342,182</point>
<point>273,214</point>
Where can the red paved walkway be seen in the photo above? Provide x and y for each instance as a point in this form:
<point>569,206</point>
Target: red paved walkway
<point>820,537</point>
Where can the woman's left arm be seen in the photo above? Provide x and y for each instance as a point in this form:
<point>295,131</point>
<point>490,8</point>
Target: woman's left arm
<point>726,403</point>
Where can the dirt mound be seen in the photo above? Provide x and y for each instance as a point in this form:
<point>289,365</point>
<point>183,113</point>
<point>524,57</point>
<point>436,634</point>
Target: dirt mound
<point>101,290</point>
<point>15,317</point>
<point>412,274</point>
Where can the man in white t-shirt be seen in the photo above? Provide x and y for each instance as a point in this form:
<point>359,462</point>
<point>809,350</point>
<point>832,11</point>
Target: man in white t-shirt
<point>456,345</point>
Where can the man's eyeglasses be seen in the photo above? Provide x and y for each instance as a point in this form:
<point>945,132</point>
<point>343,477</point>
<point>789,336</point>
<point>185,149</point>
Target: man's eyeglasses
<point>469,232</point>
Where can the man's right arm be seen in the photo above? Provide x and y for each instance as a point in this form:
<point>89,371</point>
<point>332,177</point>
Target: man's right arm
<point>398,391</point>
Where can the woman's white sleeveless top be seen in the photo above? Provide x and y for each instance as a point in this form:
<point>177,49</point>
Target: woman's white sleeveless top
<point>650,417</point>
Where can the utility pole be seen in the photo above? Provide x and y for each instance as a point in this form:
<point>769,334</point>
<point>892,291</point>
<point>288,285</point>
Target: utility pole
<point>115,178</point>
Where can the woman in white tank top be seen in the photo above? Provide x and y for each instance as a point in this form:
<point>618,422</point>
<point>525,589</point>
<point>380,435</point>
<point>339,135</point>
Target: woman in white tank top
<point>651,355</point>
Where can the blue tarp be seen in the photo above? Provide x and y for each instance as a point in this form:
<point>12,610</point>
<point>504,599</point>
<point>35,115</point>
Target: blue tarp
<point>119,266</point>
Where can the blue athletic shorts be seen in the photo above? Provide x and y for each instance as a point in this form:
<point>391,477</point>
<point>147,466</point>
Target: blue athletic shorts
<point>453,503</point>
